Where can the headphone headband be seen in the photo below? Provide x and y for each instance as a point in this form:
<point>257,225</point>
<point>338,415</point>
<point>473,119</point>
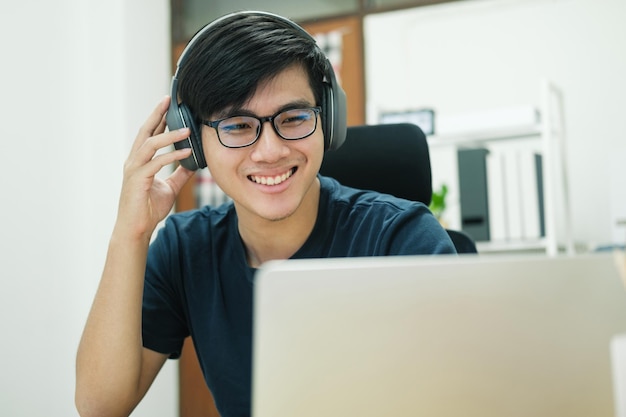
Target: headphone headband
<point>199,33</point>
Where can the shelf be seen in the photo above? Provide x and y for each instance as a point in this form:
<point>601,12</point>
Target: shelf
<point>477,137</point>
<point>539,132</point>
<point>531,245</point>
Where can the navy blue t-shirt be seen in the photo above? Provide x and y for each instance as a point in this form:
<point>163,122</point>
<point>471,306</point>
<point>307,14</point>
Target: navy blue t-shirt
<point>198,281</point>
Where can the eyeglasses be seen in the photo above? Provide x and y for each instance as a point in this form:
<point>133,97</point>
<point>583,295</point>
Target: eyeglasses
<point>241,131</point>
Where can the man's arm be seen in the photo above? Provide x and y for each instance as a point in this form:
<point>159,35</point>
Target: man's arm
<point>113,369</point>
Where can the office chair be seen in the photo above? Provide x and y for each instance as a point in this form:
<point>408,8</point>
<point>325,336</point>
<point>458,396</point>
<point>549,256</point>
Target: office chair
<point>392,159</point>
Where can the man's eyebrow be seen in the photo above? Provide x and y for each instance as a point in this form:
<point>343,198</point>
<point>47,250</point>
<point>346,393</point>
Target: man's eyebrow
<point>296,104</point>
<point>241,111</point>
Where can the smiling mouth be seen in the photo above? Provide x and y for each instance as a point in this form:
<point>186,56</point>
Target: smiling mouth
<point>274,180</point>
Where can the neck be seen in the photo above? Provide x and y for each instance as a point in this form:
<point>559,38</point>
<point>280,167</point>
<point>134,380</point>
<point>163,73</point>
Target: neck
<point>267,240</point>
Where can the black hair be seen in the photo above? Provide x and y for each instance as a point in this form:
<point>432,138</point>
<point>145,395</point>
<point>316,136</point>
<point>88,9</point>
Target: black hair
<point>226,64</point>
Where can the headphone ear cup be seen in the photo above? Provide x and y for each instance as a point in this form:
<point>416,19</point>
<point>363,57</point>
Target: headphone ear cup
<point>195,138</point>
<point>334,112</point>
<point>327,116</point>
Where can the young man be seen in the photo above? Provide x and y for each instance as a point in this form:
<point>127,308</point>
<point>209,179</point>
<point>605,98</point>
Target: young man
<point>254,86</point>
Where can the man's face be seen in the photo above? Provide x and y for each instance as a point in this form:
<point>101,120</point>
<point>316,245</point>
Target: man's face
<point>290,166</point>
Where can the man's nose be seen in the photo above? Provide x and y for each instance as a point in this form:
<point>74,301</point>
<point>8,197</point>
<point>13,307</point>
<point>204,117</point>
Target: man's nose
<point>270,146</point>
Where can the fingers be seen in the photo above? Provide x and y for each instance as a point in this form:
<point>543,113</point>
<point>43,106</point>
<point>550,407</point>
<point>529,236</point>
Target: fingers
<point>154,125</point>
<point>145,159</point>
<point>155,164</point>
<point>152,136</point>
<point>147,150</point>
<point>152,166</point>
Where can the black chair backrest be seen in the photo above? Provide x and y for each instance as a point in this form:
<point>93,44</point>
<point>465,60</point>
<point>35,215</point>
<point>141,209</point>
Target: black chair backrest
<point>391,159</point>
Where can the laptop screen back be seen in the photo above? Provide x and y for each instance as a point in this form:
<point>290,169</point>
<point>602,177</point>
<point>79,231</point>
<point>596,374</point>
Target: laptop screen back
<point>436,336</point>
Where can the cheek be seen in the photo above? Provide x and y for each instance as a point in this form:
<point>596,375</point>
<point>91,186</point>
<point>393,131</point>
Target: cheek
<point>223,169</point>
<point>318,147</point>
<point>216,155</point>
<point>211,146</point>
<point>209,138</point>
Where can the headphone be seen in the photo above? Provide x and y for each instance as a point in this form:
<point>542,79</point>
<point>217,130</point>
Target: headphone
<point>334,125</point>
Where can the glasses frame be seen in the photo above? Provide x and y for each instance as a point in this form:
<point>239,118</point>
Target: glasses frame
<point>215,123</point>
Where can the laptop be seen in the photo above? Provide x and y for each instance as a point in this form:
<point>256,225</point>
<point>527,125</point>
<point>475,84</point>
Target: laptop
<point>524,335</point>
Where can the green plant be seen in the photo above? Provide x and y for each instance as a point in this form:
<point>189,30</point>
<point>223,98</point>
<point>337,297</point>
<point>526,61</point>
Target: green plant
<point>438,202</point>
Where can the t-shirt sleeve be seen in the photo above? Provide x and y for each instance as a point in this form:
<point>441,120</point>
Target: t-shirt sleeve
<point>416,231</point>
<point>366,223</point>
<point>164,324</point>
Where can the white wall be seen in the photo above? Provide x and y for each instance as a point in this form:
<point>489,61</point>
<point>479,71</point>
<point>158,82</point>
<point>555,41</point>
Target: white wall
<point>79,77</point>
<point>488,54</point>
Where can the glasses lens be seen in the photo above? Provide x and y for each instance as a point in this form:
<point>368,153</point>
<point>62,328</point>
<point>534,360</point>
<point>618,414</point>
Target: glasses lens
<point>238,131</point>
<point>296,123</point>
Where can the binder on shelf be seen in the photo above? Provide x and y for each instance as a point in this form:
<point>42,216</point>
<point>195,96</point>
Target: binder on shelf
<point>474,193</point>
<point>540,197</point>
<point>515,194</point>
<point>529,196</point>
<point>497,201</point>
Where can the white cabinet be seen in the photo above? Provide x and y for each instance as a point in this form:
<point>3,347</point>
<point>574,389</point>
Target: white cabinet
<point>546,137</point>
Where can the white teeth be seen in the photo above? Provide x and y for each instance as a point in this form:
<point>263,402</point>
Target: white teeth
<point>271,180</point>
